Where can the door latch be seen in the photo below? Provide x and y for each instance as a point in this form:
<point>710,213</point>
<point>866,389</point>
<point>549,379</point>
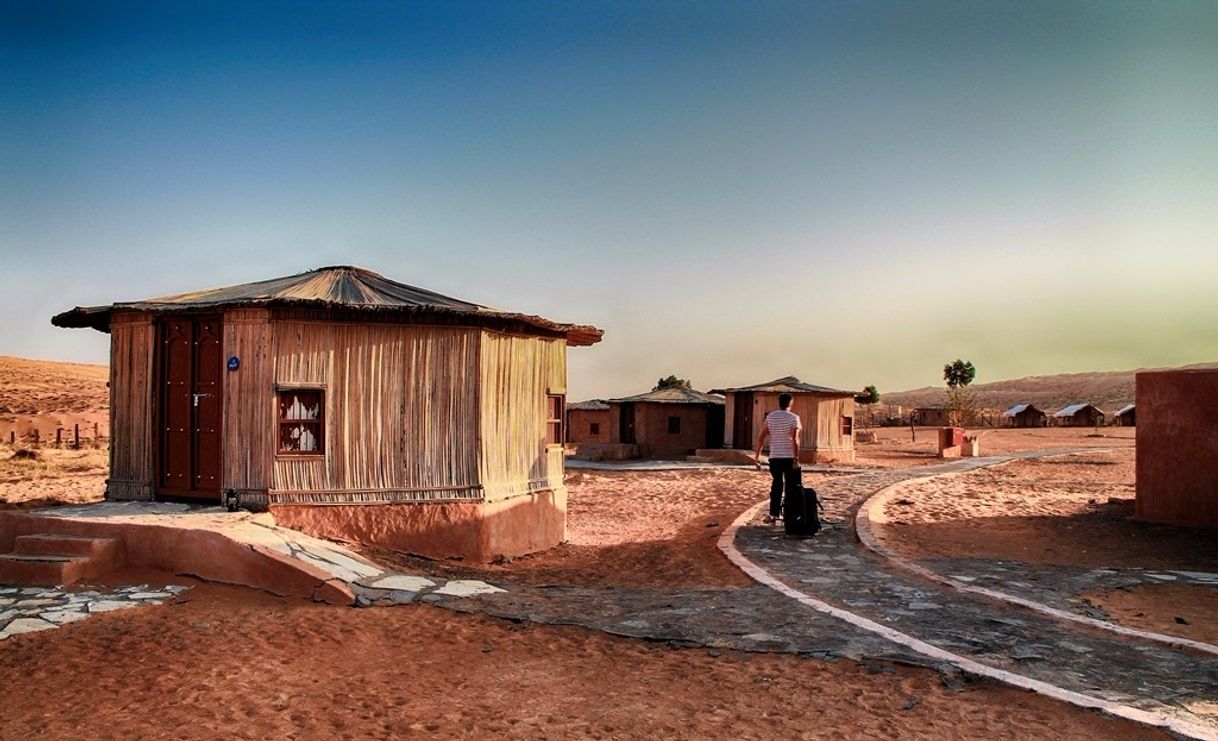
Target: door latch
<point>198,396</point>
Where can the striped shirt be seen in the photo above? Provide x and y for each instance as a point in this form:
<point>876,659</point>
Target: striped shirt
<point>780,423</point>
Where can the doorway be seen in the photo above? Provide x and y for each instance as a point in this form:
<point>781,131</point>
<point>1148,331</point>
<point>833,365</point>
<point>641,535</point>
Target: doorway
<point>191,366</point>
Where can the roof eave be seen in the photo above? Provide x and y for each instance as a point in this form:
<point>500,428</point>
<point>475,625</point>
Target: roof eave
<point>98,317</point>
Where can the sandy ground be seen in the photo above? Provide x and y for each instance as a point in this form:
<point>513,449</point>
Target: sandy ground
<point>44,395</point>
<point>230,664</point>
<point>896,448</point>
<point>1072,510</point>
<point>1186,610</point>
<point>642,528</point>
<point>54,476</point>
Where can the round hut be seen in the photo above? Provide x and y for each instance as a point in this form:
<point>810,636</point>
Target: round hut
<point>349,405</point>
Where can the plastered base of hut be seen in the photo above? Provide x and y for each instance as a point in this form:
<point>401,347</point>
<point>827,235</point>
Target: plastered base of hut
<point>472,531</point>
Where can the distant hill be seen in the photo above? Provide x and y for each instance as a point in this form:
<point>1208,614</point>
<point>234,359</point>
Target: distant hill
<point>44,395</point>
<point>1108,390</point>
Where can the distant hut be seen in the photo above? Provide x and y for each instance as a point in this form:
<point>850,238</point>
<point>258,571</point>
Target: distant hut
<point>589,422</point>
<point>1177,450</point>
<point>929,417</point>
<point>1079,415</point>
<point>421,422</point>
<point>1024,415</point>
<point>827,415</point>
<point>1126,416</point>
<point>669,422</point>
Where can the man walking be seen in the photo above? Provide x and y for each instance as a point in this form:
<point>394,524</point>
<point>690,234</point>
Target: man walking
<point>782,427</point>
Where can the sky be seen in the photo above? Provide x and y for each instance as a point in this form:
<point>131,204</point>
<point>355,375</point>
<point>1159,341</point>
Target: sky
<point>851,192</point>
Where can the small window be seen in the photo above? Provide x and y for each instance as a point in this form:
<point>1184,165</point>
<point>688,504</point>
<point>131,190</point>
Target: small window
<point>302,421</point>
<point>555,403</point>
<point>674,425</point>
<point>847,426</point>
<point>595,428</point>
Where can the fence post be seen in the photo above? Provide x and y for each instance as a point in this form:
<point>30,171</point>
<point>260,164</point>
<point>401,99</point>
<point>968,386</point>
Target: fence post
<point>12,437</point>
<point>76,436</point>
<point>36,436</point>
<point>58,436</point>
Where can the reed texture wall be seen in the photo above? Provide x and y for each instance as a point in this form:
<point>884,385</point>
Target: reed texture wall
<point>133,434</point>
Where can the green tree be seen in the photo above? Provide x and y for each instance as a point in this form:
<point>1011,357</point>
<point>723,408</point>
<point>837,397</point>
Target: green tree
<point>672,382</point>
<point>870,395</point>
<point>959,373</point>
<point>961,404</point>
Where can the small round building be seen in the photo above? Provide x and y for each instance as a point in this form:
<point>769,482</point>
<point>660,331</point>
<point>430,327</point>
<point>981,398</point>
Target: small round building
<point>350,405</point>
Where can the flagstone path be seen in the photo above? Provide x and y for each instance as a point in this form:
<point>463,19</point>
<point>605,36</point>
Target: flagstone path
<point>35,609</point>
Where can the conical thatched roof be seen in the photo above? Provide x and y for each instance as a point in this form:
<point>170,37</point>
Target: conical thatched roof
<point>790,385</point>
<point>673,395</point>
<point>341,287</point>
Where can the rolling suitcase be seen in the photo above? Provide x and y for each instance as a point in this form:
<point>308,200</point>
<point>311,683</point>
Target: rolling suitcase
<point>800,518</point>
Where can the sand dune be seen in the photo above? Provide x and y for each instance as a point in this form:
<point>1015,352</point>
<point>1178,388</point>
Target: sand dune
<point>46,395</point>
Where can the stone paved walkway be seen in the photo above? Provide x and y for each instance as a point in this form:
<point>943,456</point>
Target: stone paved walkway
<point>34,609</point>
<point>1063,586</point>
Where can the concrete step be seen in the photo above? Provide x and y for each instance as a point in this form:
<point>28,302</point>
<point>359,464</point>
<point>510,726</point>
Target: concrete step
<point>42,569</point>
<point>67,545</point>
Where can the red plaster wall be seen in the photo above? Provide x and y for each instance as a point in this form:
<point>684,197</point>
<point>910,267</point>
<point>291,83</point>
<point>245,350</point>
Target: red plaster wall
<point>651,429</point>
<point>195,552</point>
<point>472,531</point>
<point>579,423</point>
<point>1177,438</point>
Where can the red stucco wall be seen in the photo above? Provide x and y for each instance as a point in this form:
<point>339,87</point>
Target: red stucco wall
<point>579,426</point>
<point>1177,468</point>
<point>471,531</point>
<point>654,439</point>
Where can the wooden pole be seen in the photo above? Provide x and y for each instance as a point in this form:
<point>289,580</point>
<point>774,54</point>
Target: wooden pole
<point>58,436</point>
<point>12,437</point>
<point>76,436</point>
<point>35,438</point>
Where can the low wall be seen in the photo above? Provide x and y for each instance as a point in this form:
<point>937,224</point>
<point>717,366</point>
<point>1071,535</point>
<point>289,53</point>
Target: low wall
<point>1177,447</point>
<point>206,554</point>
<point>606,452</point>
<point>472,531</point>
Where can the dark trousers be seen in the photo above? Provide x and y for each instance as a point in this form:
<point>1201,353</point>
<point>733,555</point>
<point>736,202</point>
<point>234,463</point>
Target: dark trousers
<point>785,476</point>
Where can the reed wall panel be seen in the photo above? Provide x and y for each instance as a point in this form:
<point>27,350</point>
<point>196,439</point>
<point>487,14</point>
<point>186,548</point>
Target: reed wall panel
<point>249,404</point>
<point>132,430</point>
<point>401,412</point>
<point>516,374</point>
<point>821,417</point>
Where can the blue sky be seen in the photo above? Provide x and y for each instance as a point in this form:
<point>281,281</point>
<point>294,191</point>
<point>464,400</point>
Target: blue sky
<point>852,192</point>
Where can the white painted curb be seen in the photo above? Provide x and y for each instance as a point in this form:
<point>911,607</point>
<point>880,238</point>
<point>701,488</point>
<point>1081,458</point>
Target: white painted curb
<point>865,530</point>
<point>1159,720</point>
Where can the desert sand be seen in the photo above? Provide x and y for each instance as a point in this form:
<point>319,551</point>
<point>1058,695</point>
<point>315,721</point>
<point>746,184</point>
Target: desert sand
<point>895,447</point>
<point>642,528</point>
<point>227,663</point>
<point>44,395</point>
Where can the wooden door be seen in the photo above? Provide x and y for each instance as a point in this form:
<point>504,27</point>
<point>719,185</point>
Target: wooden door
<point>742,425</point>
<point>191,381</point>
<point>714,426</point>
<point>627,424</point>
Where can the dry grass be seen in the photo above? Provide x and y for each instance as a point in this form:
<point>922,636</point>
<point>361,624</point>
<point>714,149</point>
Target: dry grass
<point>49,463</point>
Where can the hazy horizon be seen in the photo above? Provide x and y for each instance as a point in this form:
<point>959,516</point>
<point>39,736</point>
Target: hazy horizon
<point>853,193</point>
